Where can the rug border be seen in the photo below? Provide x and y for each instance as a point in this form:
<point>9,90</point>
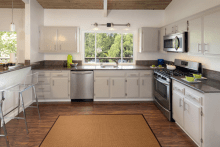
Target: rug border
<point>101,114</point>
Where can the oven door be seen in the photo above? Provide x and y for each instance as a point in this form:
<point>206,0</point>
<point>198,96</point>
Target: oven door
<point>162,93</point>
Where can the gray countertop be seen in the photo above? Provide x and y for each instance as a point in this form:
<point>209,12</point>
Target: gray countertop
<point>86,68</point>
<point>17,67</point>
<point>205,86</point>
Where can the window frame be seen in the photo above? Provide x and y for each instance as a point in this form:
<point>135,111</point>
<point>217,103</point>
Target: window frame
<point>97,32</point>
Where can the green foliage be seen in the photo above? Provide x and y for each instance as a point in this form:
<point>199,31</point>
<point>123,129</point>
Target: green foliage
<point>108,45</point>
<point>8,43</point>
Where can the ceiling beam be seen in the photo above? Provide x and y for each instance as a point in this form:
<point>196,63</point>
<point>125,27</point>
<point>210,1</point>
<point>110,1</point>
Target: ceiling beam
<point>105,2</point>
<point>26,1</point>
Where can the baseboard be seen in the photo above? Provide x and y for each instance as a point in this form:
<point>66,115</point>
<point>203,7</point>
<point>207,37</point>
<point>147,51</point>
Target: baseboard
<point>54,100</point>
<point>122,100</point>
<point>15,112</point>
<point>188,135</point>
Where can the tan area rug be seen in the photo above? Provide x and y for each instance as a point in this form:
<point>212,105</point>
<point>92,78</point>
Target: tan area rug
<point>100,131</point>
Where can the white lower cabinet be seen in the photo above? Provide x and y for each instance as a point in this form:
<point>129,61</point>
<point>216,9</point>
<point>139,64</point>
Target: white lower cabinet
<point>178,108</point>
<point>133,87</point>
<point>123,85</point>
<point>192,120</point>
<point>117,87</point>
<point>60,88</point>
<point>101,87</point>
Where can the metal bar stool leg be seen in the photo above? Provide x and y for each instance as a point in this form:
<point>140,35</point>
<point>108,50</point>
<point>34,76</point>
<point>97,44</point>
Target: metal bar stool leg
<point>19,103</point>
<point>22,102</point>
<point>35,95</point>
<point>4,127</point>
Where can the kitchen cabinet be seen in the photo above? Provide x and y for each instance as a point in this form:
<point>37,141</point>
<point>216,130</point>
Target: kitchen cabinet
<point>123,85</point>
<point>195,36</point>
<point>101,87</point>
<point>192,120</point>
<point>59,40</point>
<point>148,39</point>
<point>146,89</point>
<point>118,87</point>
<point>133,87</point>
<point>177,108</point>
<point>212,34</point>
<point>59,88</point>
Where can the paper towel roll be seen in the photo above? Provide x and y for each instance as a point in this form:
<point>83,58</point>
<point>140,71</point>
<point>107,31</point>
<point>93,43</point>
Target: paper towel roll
<point>12,58</point>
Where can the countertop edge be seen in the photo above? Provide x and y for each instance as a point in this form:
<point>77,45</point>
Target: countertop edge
<point>14,69</point>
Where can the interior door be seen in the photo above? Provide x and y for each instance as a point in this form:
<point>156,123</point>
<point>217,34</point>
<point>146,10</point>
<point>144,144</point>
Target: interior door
<point>192,120</point>
<point>195,36</point>
<point>212,33</point>
<point>101,87</point>
<point>132,87</point>
<point>178,108</point>
<point>48,39</point>
<point>60,88</point>
<point>146,88</point>
<point>118,87</point>
<point>67,39</point>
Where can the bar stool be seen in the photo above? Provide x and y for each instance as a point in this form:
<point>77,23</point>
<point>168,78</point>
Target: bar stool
<point>29,82</point>
<point>2,121</point>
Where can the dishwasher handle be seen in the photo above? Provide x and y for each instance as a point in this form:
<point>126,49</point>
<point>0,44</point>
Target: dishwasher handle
<point>82,73</point>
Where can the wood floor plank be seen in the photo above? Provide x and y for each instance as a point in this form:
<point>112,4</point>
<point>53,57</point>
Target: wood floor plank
<point>168,133</point>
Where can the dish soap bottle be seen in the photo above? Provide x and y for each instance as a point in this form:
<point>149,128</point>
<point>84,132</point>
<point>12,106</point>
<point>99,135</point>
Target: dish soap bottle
<point>69,60</point>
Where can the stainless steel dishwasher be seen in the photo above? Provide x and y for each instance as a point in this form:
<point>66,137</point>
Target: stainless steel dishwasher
<point>82,86</point>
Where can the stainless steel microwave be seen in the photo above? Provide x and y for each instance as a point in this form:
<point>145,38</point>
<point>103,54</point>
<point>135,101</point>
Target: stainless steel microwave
<point>176,42</point>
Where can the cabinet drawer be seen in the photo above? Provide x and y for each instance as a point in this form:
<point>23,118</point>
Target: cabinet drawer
<point>60,74</point>
<point>146,74</point>
<point>42,95</point>
<point>43,74</point>
<point>133,74</point>
<point>43,88</point>
<point>178,88</point>
<point>193,97</point>
<point>43,81</point>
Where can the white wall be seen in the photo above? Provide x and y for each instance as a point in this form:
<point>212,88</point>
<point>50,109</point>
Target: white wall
<point>84,19</point>
<point>179,9</point>
<point>36,21</point>
<point>19,21</point>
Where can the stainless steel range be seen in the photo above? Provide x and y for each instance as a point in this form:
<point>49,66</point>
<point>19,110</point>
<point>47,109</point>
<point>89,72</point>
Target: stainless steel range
<point>163,83</point>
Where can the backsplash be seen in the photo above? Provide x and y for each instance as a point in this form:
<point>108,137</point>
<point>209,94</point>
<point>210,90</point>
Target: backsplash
<point>211,74</point>
<point>54,63</point>
<point>146,62</point>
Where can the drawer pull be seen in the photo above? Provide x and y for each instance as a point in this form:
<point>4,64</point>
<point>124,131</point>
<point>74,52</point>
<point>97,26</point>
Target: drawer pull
<point>190,96</point>
<point>181,90</point>
<point>60,75</point>
<point>146,74</point>
<point>41,81</point>
<point>133,75</point>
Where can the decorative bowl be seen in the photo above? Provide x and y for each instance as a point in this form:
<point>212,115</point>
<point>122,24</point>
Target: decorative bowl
<point>197,76</point>
<point>190,79</point>
<point>73,64</point>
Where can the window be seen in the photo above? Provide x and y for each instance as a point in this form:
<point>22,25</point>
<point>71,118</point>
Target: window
<point>8,44</point>
<point>108,47</point>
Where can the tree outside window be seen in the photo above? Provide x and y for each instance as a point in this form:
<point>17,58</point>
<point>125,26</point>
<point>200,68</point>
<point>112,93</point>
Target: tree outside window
<point>109,47</point>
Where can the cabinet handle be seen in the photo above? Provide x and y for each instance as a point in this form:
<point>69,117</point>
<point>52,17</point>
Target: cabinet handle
<point>142,82</point>
<point>146,74</point>
<point>107,82</point>
<point>113,82</point>
<point>198,47</point>
<point>180,104</point>
<point>60,47</point>
<point>137,82</point>
<point>206,44</point>
<point>176,29</point>
<point>53,82</point>
<point>190,96</point>
<point>185,104</point>
<point>60,75</point>
<point>41,81</point>
<point>181,90</point>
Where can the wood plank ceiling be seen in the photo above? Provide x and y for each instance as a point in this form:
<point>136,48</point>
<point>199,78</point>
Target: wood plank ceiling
<point>112,4</point>
<point>93,4</point>
<point>8,4</point>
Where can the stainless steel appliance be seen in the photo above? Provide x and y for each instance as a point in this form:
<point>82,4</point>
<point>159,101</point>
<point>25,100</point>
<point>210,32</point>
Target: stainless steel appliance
<point>82,86</point>
<point>176,42</point>
<point>163,83</point>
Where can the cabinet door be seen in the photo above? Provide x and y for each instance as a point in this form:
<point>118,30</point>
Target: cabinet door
<point>101,87</point>
<point>192,120</point>
<point>146,87</point>
<point>150,39</point>
<point>132,87</point>
<point>118,87</point>
<point>67,39</point>
<point>181,27</point>
<point>60,88</point>
<point>178,108</point>
<point>48,39</point>
<point>195,36</point>
<point>212,33</point>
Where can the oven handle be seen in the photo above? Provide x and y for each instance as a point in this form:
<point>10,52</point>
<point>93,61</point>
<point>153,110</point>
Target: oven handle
<point>162,82</point>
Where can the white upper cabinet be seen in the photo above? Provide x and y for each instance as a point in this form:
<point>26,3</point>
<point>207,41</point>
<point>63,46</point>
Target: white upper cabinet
<point>59,40</point>
<point>195,36</point>
<point>148,39</point>
<point>212,33</point>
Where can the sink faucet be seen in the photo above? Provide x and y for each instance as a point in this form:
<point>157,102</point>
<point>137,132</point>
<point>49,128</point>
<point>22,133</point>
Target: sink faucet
<point>116,61</point>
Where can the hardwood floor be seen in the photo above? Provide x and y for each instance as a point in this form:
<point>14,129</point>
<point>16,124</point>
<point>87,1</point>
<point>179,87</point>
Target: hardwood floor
<point>168,133</point>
